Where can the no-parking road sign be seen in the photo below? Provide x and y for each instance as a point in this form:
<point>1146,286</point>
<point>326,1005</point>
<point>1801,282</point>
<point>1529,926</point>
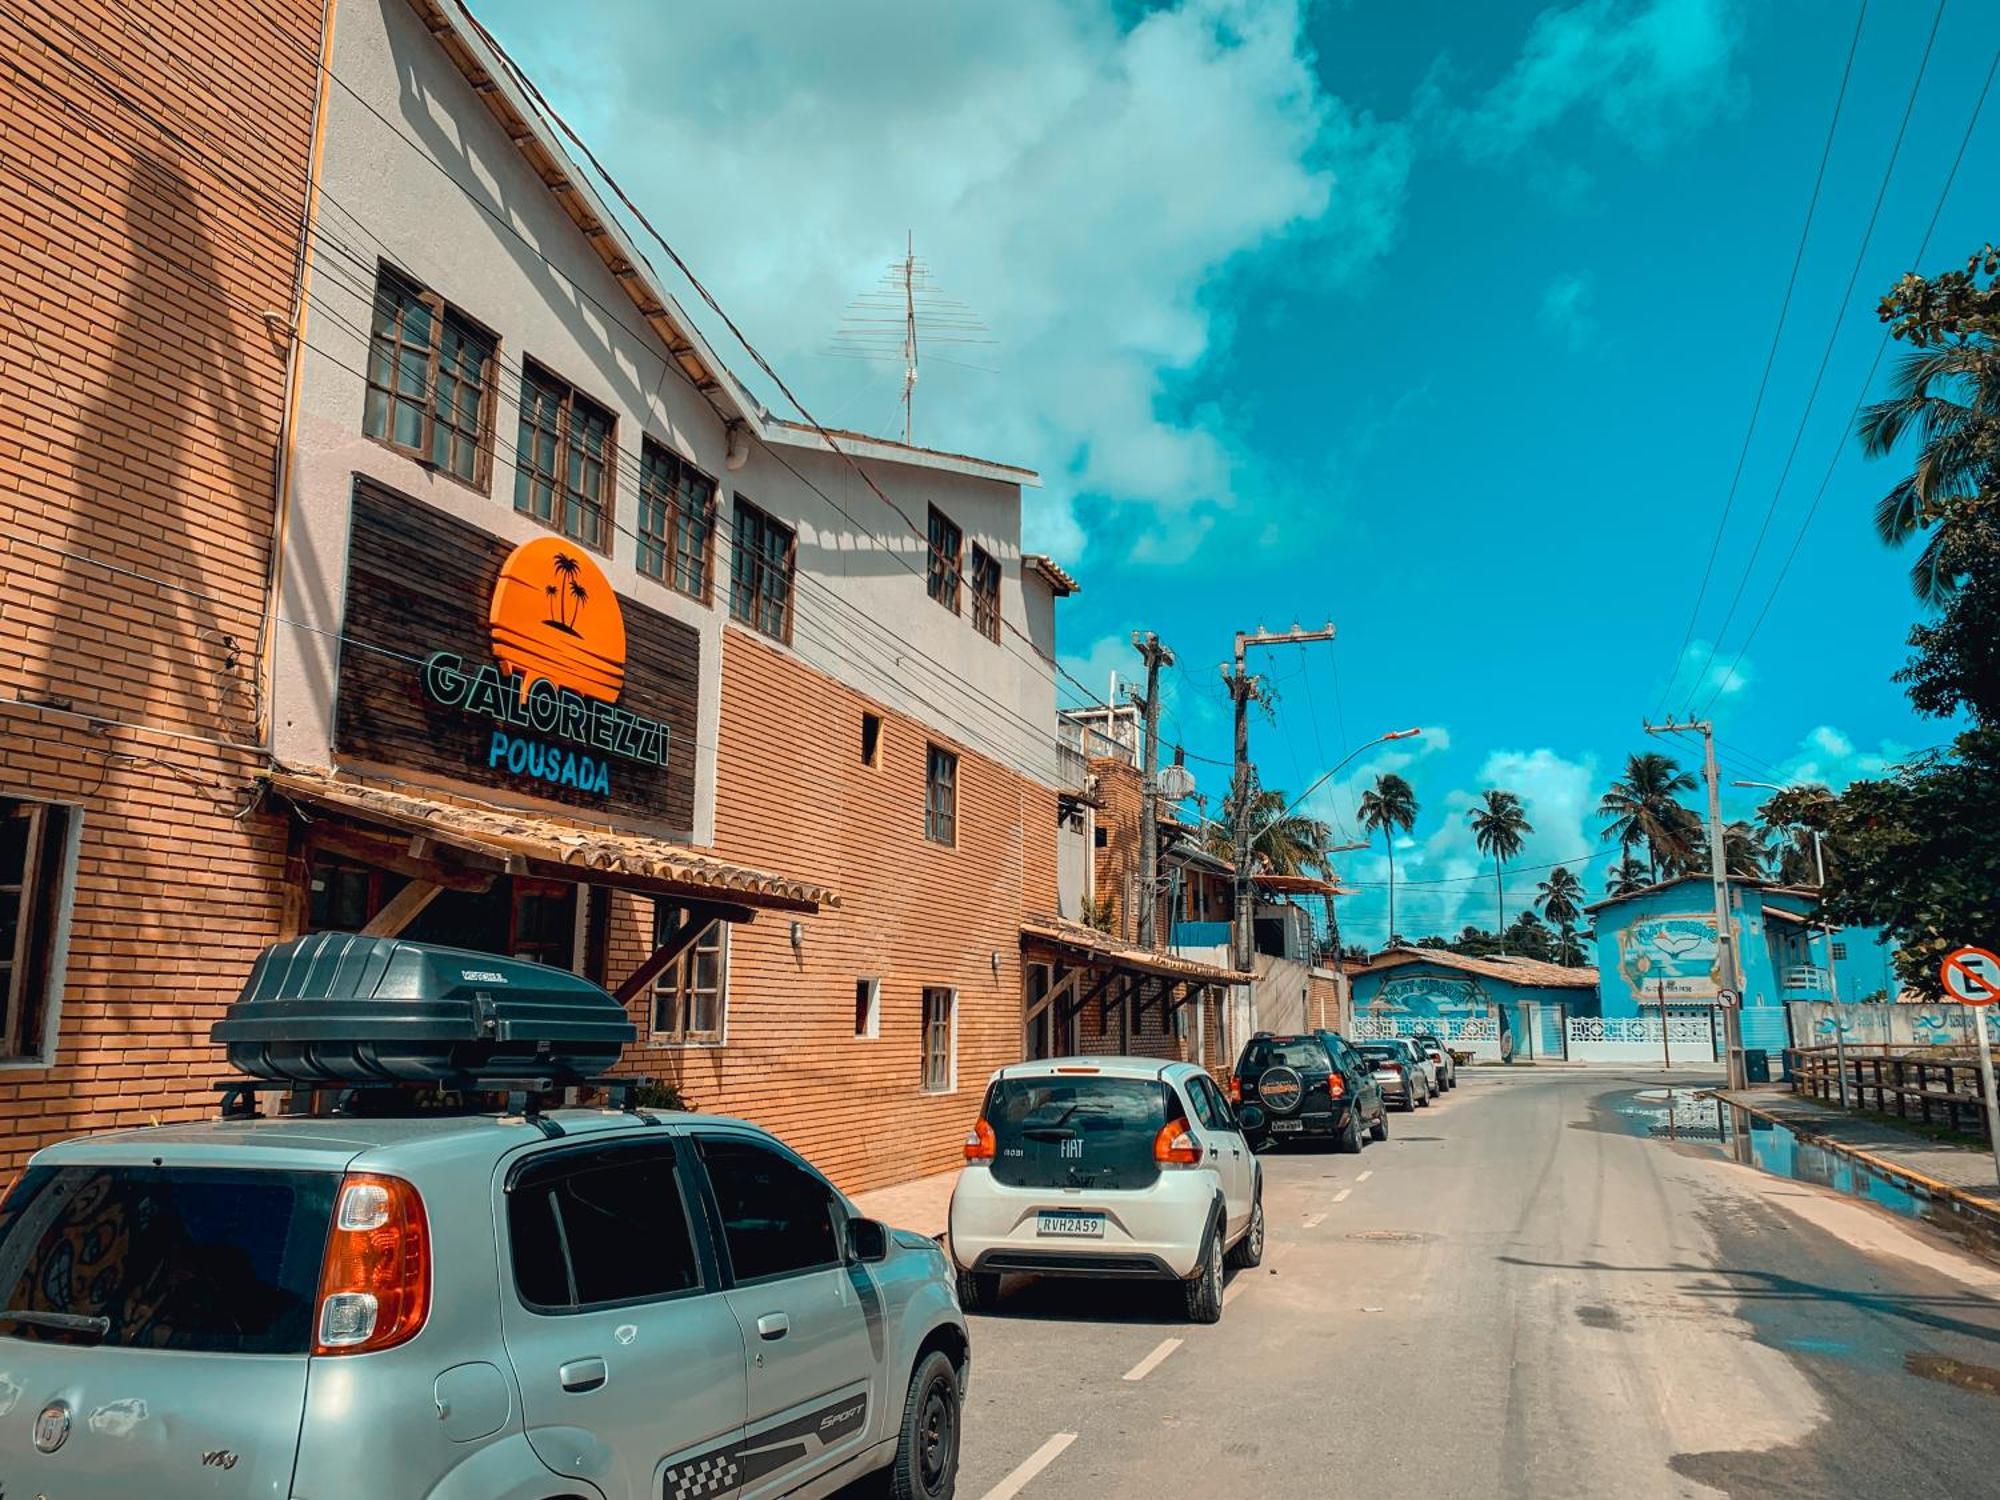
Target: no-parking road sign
<point>1971,976</point>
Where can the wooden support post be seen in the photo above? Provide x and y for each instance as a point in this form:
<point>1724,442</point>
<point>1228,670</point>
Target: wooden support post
<point>404,907</point>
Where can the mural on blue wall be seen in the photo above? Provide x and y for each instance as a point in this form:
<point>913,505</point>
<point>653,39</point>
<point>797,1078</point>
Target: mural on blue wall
<point>1671,957</point>
<point>1429,995</point>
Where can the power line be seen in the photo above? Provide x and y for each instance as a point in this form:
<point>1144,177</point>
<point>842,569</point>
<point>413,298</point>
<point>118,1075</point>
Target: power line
<point>1867,381</point>
<point>1826,355</point>
<point>1770,359</point>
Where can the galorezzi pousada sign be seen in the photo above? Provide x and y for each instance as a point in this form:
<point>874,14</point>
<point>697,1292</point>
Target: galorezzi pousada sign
<point>466,657</point>
<point>551,691</point>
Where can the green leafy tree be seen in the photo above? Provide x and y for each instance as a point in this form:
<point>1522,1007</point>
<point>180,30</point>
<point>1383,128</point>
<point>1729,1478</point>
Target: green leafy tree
<point>1643,807</point>
<point>1946,392</point>
<point>1788,840</point>
<point>1499,824</point>
<point>1561,900</point>
<point>1281,842</point>
<point>1389,807</point>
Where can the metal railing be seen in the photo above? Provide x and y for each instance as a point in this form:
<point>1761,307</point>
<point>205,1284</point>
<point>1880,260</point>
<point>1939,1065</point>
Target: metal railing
<point>1920,1086</point>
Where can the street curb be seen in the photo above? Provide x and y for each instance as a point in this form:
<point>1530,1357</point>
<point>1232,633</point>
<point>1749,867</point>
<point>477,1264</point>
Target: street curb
<point>1964,1202</point>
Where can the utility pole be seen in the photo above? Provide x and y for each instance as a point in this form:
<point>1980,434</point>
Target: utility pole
<point>1729,972</point>
<point>1244,688</point>
<point>1148,645</point>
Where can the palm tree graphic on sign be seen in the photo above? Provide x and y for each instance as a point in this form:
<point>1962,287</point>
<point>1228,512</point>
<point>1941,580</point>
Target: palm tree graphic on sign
<point>566,595</point>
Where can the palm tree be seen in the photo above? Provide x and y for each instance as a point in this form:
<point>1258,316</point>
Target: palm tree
<point>1282,842</point>
<point>1389,807</point>
<point>567,570</point>
<point>1947,391</point>
<point>1628,877</point>
<point>1742,850</point>
<point>1562,903</point>
<point>1644,807</point>
<point>1498,824</point>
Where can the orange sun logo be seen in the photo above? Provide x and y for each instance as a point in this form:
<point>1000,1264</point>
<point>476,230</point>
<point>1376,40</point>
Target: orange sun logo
<point>554,617</point>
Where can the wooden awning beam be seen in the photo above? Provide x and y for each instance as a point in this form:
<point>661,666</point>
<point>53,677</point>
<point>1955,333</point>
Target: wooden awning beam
<point>463,872</point>
<point>1083,1000</point>
<point>1058,992</point>
<point>695,917</point>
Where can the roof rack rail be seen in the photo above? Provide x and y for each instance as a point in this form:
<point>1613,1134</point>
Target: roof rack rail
<point>523,1096</point>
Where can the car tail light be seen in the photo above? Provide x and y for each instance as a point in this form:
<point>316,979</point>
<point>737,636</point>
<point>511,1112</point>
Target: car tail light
<point>375,1284</point>
<point>1336,1086</point>
<point>1235,1089</point>
<point>979,1143</point>
<point>1174,1146</point>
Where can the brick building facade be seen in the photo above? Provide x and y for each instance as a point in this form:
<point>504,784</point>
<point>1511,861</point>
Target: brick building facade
<point>151,199</point>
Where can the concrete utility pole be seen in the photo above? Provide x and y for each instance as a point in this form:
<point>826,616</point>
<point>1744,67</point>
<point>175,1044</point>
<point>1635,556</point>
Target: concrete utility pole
<point>1243,689</point>
<point>1148,645</point>
<point>1729,971</point>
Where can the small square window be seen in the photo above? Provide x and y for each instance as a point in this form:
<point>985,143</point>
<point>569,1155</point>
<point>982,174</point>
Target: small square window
<point>1103,838</point>
<point>871,738</point>
<point>1839,951</point>
<point>868,1008</point>
<point>941,796</point>
<point>985,593</point>
<point>691,996</point>
<point>37,882</point>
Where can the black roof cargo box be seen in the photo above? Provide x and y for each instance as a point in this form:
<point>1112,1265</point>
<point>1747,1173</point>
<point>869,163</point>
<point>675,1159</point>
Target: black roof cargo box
<point>337,1008</point>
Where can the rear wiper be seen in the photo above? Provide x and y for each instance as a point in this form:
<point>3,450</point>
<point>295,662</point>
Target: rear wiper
<point>90,1323</point>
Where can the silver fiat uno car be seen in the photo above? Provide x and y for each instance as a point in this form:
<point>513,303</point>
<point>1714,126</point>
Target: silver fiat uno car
<point>581,1304</point>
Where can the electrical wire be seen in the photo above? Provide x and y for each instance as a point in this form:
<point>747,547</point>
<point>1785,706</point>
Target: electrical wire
<point>1868,380</point>
<point>1826,356</point>
<point>1770,359</point>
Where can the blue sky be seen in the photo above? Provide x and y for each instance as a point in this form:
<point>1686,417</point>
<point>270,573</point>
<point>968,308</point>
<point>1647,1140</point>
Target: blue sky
<point>1440,320</point>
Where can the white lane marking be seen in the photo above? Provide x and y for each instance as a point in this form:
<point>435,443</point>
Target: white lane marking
<point>1029,1467</point>
<point>1341,1196</point>
<point>1363,1178</point>
<point>1152,1361</point>
<point>1313,1221</point>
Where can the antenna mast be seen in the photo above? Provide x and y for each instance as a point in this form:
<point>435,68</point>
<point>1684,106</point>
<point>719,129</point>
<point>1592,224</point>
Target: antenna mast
<point>903,316</point>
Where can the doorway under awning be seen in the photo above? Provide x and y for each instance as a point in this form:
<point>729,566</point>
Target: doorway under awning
<point>437,843</point>
<point>1091,967</point>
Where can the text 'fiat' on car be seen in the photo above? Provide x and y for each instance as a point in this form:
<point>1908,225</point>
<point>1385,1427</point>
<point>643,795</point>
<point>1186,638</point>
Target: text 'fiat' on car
<point>434,1289</point>
<point>1111,1166</point>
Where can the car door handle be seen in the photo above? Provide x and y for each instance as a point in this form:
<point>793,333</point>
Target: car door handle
<point>582,1375</point>
<point>773,1326</point>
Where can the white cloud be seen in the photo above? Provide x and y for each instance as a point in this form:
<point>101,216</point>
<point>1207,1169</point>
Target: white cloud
<point>1568,309</point>
<point>1829,757</point>
<point>1078,182</point>
<point>1705,675</point>
<point>1645,71</point>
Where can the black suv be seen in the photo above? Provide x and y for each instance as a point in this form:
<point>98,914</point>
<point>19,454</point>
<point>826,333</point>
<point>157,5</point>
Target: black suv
<point>1306,1087</point>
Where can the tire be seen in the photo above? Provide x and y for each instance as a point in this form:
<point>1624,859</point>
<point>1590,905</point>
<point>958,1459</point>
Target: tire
<point>1425,1101</point>
<point>1249,1251</point>
<point>1379,1131</point>
<point>1348,1142</point>
<point>926,1462</point>
<point>1204,1288</point>
<point>978,1290</point>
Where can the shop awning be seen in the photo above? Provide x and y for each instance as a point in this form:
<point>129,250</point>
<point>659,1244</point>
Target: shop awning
<point>1093,949</point>
<point>1112,972</point>
<point>484,837</point>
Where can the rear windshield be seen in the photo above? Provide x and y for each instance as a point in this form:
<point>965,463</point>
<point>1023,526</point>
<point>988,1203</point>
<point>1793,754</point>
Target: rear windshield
<point>1383,1053</point>
<point>213,1261</point>
<point>1076,1131</point>
<point>1290,1051</point>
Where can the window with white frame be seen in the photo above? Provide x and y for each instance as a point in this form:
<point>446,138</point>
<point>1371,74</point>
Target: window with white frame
<point>940,1040</point>
<point>691,996</point>
<point>868,1008</point>
<point>37,870</point>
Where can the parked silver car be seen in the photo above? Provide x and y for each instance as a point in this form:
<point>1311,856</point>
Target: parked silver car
<point>582,1305</point>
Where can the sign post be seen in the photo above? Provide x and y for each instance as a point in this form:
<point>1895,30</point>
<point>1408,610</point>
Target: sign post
<point>1972,977</point>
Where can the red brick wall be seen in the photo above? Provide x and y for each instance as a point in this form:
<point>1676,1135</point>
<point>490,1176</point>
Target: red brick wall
<point>793,797</point>
<point>142,238</point>
<point>1118,788</point>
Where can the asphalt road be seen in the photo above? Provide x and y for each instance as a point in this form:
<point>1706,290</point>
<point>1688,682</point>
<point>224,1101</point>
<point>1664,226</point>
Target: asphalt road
<point>1520,1294</point>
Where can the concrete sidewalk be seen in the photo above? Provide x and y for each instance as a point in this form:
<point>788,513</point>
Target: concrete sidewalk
<point>923,1205</point>
<point>1964,1172</point>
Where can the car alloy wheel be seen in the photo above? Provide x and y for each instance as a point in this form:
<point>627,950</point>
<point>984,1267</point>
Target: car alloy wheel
<point>1249,1250</point>
<point>1204,1292</point>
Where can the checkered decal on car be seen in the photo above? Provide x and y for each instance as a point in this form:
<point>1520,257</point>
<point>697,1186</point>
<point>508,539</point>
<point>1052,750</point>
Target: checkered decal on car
<point>700,1478</point>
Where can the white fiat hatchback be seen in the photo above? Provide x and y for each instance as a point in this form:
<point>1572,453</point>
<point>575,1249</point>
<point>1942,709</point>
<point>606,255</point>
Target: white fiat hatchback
<point>1106,1166</point>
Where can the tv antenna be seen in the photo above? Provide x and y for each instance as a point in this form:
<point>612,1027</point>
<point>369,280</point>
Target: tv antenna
<point>905,318</point>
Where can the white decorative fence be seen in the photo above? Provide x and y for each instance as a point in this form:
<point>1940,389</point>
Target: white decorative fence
<point>1636,1039</point>
<point>1479,1035</point>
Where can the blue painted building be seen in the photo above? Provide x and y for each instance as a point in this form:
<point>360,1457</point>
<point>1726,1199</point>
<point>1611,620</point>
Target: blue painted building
<point>1657,946</point>
<point>1501,1007</point>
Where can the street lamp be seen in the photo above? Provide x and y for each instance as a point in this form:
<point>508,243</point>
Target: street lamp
<point>1380,739</point>
<point>1826,928</point>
